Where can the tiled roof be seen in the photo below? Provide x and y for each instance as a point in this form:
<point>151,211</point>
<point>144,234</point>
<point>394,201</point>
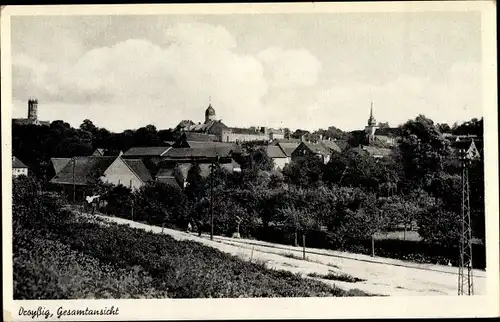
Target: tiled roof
<point>210,152</point>
<point>168,180</point>
<point>86,169</point>
<point>342,144</point>
<point>16,163</point>
<point>331,145</point>
<point>318,148</point>
<point>200,137</point>
<point>203,127</point>
<point>99,152</point>
<point>59,163</point>
<point>139,168</point>
<point>375,151</point>
<point>274,151</point>
<point>282,141</point>
<point>210,144</point>
<point>165,172</point>
<point>237,130</point>
<point>388,131</point>
<point>288,148</point>
<point>146,151</point>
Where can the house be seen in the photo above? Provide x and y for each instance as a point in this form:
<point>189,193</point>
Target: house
<point>374,133</point>
<point>18,167</point>
<point>59,163</point>
<point>387,135</point>
<point>322,149</point>
<point>198,153</point>
<point>99,152</point>
<point>373,151</point>
<point>276,134</point>
<point>277,155</point>
<point>179,171</point>
<point>146,152</point>
<point>83,172</point>
<point>199,140</point>
<point>222,133</point>
<point>287,146</point>
<point>467,148</point>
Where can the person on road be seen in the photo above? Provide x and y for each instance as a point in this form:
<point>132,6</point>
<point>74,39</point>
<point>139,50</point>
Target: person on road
<point>198,224</point>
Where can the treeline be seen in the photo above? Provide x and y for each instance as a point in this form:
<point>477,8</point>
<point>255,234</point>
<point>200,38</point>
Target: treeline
<point>340,205</point>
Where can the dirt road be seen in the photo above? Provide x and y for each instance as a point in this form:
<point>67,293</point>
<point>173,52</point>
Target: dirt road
<point>382,275</point>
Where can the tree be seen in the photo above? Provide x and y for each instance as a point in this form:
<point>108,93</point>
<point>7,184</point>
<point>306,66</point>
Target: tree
<point>287,133</point>
<point>88,126</point>
<point>299,133</point>
<point>195,183</point>
<point>155,200</point>
<point>444,128</point>
<point>383,125</point>
<point>423,152</point>
<point>304,171</point>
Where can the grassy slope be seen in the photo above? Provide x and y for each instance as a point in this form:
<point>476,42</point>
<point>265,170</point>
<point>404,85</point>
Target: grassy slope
<point>87,260</point>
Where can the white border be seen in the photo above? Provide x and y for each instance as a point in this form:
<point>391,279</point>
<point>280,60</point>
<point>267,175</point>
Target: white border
<point>442,306</point>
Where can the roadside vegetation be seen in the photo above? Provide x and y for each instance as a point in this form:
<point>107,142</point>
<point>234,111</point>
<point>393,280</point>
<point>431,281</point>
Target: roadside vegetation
<point>58,255</point>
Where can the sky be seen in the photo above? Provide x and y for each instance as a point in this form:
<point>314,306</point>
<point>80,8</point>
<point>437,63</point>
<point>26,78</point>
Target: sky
<point>307,71</point>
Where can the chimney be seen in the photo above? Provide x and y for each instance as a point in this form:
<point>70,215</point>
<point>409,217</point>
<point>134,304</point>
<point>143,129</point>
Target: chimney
<point>302,138</point>
<point>321,137</point>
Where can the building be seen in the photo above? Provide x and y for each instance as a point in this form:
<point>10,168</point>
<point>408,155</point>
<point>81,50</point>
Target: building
<point>213,126</point>
<point>375,134</point>
<point>373,151</point>
<point>287,146</point>
<point>278,156</point>
<point>467,147</point>
<point>18,167</point>
<point>83,172</point>
<point>177,173</point>
<point>59,163</point>
<point>32,115</point>
<point>322,149</point>
<point>276,134</point>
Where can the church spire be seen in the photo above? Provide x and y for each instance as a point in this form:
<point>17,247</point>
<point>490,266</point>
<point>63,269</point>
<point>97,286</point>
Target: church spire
<point>371,120</point>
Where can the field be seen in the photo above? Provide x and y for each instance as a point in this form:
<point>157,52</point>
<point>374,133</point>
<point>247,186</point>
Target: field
<point>105,260</point>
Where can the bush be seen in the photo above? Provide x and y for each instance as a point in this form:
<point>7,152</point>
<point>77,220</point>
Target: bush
<point>337,277</point>
<point>158,203</point>
<point>51,270</point>
<point>188,269</point>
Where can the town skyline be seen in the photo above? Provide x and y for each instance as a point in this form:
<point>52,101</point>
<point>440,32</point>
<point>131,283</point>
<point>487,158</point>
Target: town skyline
<point>299,71</point>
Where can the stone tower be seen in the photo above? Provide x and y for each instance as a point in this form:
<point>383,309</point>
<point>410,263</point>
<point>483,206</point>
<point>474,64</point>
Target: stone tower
<point>209,114</point>
<point>33,109</point>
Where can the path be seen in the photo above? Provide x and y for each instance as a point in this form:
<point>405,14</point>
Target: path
<point>382,275</point>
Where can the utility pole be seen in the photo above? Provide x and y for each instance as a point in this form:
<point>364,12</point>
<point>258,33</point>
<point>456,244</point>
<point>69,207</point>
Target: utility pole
<point>465,271</point>
<point>212,202</point>
<point>212,198</point>
<point>343,173</point>
<point>74,186</point>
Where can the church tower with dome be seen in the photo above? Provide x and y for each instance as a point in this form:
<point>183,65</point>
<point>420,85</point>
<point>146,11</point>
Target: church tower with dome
<point>209,114</point>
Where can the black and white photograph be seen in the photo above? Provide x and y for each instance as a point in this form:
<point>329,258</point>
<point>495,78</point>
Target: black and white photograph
<point>204,154</point>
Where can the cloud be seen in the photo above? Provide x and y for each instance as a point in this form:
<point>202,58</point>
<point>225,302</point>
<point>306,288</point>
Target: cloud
<point>165,83</point>
<point>292,67</point>
<point>456,96</point>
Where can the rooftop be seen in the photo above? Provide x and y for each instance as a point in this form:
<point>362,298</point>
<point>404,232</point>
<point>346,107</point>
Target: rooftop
<point>146,151</point>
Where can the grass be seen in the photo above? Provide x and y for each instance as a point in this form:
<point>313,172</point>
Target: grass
<point>337,277</point>
<point>292,255</point>
<point>89,260</point>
